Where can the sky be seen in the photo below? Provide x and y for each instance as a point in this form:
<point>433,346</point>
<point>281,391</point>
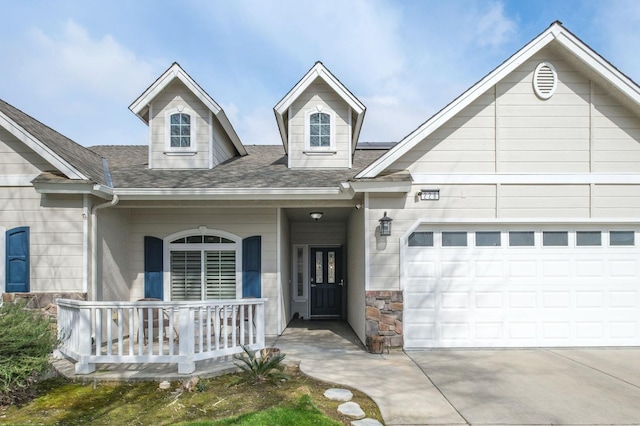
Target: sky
<point>78,65</point>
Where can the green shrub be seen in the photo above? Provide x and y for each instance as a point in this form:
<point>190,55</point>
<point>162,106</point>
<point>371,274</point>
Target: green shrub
<point>26,341</point>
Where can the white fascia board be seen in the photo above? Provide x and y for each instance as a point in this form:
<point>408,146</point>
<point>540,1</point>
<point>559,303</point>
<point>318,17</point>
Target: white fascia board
<point>600,65</point>
<point>527,179</point>
<point>228,128</point>
<point>456,106</point>
<point>318,70</point>
<point>175,71</point>
<point>360,186</point>
<point>233,193</point>
<point>39,148</point>
<point>72,188</point>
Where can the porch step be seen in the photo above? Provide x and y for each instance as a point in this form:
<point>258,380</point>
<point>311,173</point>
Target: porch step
<point>366,422</point>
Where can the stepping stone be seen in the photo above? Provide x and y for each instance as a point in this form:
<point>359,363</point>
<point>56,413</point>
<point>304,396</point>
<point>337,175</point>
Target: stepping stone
<point>366,422</point>
<point>351,409</point>
<point>336,394</point>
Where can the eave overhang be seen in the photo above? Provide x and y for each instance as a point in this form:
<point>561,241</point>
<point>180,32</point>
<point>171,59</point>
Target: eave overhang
<point>341,192</point>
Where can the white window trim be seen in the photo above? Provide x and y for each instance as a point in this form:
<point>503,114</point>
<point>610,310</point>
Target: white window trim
<point>168,247</point>
<point>168,149</point>
<point>305,272</point>
<point>331,149</point>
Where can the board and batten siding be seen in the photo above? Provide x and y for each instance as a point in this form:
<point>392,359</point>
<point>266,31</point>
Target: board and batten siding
<point>319,93</point>
<point>238,221</point>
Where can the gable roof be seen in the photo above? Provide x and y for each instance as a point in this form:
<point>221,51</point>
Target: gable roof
<point>567,44</point>
<point>318,70</point>
<point>71,159</point>
<point>140,106</point>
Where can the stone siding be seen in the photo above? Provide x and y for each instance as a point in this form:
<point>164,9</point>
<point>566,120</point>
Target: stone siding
<point>384,317</point>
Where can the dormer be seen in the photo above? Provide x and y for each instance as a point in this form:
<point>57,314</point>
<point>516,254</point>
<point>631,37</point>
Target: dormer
<point>319,122</point>
<point>187,128</point>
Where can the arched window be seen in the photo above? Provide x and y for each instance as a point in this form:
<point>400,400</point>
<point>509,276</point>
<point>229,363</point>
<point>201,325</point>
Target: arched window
<point>203,266</point>
<point>180,130</point>
<point>319,130</point>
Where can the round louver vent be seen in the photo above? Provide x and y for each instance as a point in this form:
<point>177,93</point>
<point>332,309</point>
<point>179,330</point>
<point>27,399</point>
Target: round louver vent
<point>545,80</point>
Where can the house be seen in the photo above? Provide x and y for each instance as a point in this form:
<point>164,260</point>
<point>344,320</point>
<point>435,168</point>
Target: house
<point>508,219</point>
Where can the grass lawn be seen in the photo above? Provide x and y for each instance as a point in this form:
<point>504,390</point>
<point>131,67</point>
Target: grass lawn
<point>223,400</point>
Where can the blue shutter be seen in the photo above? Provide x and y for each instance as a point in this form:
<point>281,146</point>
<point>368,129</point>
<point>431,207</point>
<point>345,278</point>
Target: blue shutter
<point>251,267</point>
<point>153,268</point>
<point>17,262</point>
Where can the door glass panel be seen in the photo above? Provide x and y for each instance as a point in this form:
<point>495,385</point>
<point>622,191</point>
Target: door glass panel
<point>555,238</point>
<point>621,238</point>
<point>588,238</point>
<point>319,269</point>
<point>421,239</point>
<point>300,272</point>
<point>488,239</point>
<point>521,238</point>
<point>454,239</point>
<point>331,266</point>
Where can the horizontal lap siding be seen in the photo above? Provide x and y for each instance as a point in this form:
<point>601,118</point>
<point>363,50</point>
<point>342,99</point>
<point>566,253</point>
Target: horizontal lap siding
<point>555,201</point>
<point>465,144</point>
<point>543,136</point>
<point>177,94</point>
<point>241,222</point>
<point>319,93</point>
<point>17,159</point>
<point>56,236</point>
<point>460,201</point>
<point>616,136</point>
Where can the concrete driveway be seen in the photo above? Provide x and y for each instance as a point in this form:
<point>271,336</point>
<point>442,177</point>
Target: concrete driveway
<point>537,386</point>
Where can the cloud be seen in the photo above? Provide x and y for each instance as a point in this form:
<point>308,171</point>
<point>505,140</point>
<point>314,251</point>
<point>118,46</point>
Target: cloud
<point>493,28</point>
<point>78,83</point>
<point>74,61</point>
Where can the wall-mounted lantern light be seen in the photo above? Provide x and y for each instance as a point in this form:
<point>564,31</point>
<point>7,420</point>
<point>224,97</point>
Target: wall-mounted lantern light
<point>385,225</point>
<point>316,215</point>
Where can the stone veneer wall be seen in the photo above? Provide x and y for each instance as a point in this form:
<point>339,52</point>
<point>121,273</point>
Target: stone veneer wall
<point>384,316</point>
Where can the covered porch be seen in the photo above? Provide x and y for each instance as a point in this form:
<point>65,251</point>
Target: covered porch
<point>157,332</point>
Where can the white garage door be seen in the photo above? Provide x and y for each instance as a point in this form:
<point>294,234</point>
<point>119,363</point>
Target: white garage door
<point>521,287</point>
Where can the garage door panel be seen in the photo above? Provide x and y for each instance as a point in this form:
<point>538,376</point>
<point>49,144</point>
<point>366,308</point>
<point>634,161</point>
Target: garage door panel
<point>522,296</point>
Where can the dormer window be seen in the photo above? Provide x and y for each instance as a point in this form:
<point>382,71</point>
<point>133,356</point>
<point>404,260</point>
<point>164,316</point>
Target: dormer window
<point>320,130</point>
<point>180,123</point>
<point>180,130</point>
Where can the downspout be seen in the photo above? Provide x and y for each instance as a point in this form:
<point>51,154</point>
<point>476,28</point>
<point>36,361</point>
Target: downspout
<point>94,245</point>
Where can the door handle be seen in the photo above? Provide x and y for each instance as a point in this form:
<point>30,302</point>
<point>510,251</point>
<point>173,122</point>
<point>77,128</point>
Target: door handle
<point>341,283</point>
<point>313,285</point>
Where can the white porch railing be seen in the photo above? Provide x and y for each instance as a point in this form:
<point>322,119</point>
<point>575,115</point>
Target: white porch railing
<point>157,332</point>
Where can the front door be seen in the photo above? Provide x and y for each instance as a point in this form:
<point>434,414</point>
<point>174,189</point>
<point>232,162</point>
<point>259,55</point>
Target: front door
<point>326,282</point>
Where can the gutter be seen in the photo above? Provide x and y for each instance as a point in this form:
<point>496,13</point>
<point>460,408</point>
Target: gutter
<point>94,239</point>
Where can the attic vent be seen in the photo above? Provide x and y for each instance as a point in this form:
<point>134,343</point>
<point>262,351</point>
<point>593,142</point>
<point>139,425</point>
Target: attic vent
<point>545,80</point>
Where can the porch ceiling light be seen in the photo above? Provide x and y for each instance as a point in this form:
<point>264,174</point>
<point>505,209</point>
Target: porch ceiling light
<point>385,225</point>
<point>316,215</point>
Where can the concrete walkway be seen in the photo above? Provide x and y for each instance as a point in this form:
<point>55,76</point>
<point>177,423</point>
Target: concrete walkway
<point>330,351</point>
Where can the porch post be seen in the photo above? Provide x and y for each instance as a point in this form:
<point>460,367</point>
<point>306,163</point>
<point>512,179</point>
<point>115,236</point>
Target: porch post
<point>84,342</point>
<point>186,365</point>
<point>259,318</point>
